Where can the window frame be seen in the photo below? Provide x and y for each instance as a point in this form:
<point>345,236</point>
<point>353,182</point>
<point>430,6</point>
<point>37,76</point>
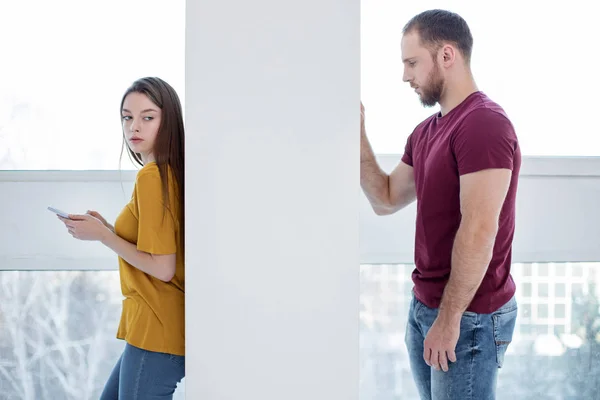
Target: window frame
<point>379,235</point>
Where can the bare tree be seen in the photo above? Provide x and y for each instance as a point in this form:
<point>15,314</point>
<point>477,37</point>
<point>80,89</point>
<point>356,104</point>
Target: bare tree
<point>57,332</point>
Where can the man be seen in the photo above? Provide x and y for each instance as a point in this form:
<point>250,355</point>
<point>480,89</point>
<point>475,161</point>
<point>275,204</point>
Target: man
<point>462,166</point>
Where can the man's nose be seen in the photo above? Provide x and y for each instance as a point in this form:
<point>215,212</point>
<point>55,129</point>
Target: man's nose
<point>405,76</point>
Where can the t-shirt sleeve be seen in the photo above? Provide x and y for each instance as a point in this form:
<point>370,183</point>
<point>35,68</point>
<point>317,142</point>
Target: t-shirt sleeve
<point>407,157</point>
<point>156,227</point>
<point>486,139</point>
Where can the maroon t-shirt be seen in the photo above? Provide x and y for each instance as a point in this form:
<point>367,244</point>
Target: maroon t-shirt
<point>474,136</point>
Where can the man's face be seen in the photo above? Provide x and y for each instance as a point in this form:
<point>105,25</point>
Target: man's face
<point>421,70</point>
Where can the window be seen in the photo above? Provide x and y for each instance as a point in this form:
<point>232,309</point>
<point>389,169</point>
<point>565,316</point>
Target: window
<point>525,311</point>
<point>560,311</point>
<point>511,65</point>
<point>560,290</point>
<point>564,336</point>
<point>542,269</point>
<point>543,290</point>
<point>57,333</point>
<point>70,64</point>
<point>527,290</point>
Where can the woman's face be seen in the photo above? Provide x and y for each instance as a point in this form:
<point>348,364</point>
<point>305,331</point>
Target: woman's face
<point>141,120</point>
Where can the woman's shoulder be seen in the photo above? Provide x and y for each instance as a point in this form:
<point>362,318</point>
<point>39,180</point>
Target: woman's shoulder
<point>148,169</point>
<point>151,171</point>
<point>148,177</point>
<point>149,174</point>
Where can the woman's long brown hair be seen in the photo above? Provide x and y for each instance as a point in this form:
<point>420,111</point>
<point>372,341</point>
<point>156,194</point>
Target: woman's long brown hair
<point>170,140</point>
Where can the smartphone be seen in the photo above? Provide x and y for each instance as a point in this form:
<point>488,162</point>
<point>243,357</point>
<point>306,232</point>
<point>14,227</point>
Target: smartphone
<point>59,212</point>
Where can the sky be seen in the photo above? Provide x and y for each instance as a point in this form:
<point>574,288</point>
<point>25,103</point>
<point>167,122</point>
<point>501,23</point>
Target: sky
<point>72,60</point>
<point>535,58</point>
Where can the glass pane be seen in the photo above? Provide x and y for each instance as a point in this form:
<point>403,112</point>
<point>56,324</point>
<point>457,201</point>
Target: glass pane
<point>542,269</point>
<point>566,341</point>
<point>70,62</point>
<point>560,290</point>
<point>57,334</point>
<point>385,373</point>
<point>527,292</point>
<point>393,109</point>
<point>525,311</point>
<point>543,290</point>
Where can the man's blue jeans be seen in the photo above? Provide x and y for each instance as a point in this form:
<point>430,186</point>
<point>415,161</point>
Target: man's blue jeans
<point>144,375</point>
<point>480,350</point>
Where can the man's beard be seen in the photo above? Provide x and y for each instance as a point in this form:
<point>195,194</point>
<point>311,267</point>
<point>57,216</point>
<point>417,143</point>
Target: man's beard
<point>431,93</point>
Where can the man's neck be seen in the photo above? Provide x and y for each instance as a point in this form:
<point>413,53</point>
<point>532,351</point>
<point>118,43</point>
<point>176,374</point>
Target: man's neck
<point>456,92</point>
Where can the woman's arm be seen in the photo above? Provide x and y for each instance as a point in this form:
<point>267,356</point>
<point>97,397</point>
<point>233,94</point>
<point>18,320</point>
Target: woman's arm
<point>86,227</point>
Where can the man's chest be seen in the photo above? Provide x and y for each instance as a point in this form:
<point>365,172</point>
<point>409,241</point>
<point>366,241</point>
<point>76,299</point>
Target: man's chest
<point>433,158</point>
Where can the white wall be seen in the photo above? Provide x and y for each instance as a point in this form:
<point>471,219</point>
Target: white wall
<point>272,199</point>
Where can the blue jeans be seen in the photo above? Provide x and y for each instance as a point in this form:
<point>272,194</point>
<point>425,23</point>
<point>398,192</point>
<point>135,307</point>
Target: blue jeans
<point>144,375</point>
<point>480,350</point>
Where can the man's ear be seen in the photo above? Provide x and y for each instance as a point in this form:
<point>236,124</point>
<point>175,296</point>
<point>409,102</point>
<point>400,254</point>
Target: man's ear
<point>448,55</point>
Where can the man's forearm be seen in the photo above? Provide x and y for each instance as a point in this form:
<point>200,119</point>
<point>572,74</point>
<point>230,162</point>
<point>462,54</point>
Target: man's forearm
<point>471,256</point>
<point>373,180</point>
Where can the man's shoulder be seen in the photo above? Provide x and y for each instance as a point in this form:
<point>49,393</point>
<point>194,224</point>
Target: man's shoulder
<point>427,121</point>
<point>424,125</point>
<point>484,109</point>
<point>484,115</point>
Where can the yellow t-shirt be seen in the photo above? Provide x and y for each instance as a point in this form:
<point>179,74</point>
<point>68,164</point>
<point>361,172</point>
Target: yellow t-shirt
<point>153,311</point>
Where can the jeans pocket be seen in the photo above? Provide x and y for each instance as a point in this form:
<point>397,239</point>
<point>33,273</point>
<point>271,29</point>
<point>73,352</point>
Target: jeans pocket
<point>504,326</point>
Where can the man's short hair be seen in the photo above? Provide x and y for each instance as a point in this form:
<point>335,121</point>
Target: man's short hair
<point>437,27</point>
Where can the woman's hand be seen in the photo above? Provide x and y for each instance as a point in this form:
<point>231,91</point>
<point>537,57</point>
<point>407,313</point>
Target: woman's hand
<point>86,227</point>
<point>97,215</point>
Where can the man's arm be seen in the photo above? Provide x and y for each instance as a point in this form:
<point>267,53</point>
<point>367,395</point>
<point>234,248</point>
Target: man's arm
<point>482,196</point>
<point>386,193</point>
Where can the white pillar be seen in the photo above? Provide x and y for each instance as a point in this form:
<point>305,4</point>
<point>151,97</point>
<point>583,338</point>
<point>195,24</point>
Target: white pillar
<point>272,153</point>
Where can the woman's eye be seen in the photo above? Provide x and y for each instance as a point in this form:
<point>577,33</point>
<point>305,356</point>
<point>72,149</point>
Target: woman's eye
<point>126,117</point>
<point>148,118</point>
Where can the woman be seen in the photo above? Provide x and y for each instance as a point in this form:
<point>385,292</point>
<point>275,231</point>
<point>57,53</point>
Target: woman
<point>148,238</point>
